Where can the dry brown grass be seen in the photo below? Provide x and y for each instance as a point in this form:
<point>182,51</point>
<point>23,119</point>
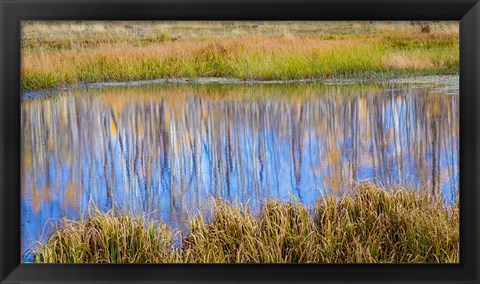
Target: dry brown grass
<point>402,61</point>
<point>368,225</point>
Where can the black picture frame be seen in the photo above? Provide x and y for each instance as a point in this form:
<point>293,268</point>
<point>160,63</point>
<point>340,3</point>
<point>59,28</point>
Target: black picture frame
<point>14,11</point>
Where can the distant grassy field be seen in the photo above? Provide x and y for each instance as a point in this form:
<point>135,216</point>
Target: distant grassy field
<point>368,225</point>
<point>57,53</point>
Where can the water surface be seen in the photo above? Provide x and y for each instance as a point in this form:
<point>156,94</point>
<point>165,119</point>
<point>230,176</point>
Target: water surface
<point>170,150</point>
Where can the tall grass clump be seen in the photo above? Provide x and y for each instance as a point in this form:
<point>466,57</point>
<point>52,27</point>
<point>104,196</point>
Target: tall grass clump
<point>108,238</point>
<point>372,225</point>
<point>282,233</point>
<point>366,225</point>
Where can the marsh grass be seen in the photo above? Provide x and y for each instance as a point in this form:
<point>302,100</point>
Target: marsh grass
<point>60,54</point>
<point>109,238</point>
<point>367,225</point>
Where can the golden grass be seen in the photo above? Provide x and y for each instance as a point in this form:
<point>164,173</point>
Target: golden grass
<point>367,225</point>
<point>106,238</point>
<point>51,59</point>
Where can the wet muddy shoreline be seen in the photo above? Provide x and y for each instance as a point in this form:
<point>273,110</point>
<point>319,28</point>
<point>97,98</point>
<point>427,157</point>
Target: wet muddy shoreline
<point>450,80</point>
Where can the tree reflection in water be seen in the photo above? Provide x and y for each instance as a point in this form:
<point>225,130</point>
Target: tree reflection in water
<point>170,149</point>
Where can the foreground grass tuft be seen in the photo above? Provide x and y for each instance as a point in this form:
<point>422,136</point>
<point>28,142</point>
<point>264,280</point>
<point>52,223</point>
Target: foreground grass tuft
<point>106,238</point>
<point>368,225</point>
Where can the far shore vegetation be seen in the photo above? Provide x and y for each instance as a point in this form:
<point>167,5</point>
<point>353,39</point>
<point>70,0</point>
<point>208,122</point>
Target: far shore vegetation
<point>60,53</point>
<point>367,225</point>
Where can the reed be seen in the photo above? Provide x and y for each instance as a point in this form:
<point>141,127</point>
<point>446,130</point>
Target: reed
<point>367,225</point>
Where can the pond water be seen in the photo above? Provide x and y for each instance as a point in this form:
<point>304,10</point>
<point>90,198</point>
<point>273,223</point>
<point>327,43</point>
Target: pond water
<point>169,150</point>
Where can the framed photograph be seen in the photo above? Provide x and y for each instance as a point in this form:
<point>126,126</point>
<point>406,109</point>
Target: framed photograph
<point>239,141</point>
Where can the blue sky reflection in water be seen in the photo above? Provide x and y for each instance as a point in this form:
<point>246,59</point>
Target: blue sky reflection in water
<point>170,150</point>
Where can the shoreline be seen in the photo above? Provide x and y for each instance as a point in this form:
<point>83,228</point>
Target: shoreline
<point>450,80</point>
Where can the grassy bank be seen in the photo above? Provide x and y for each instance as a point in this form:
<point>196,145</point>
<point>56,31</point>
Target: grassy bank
<point>368,225</point>
<point>64,53</point>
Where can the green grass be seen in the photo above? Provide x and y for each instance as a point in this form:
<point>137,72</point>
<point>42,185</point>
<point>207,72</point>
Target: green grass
<point>297,52</point>
<point>367,225</point>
